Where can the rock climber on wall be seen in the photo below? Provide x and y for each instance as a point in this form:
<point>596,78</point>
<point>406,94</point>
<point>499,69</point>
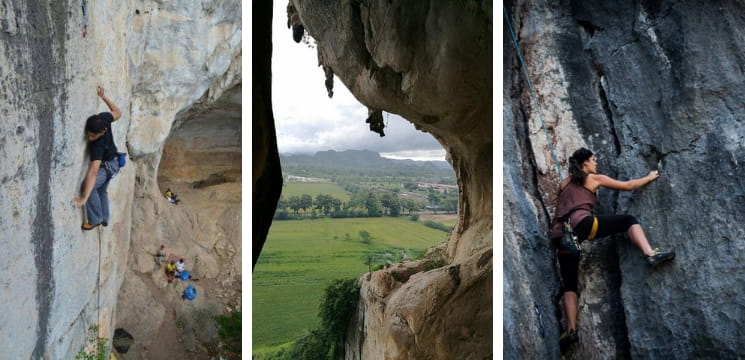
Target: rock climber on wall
<point>103,166</point>
<point>574,205</point>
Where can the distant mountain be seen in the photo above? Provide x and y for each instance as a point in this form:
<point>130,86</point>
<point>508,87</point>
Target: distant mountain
<point>357,159</point>
<point>439,164</point>
<point>331,163</point>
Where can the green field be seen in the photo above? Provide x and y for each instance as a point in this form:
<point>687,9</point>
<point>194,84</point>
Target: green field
<point>301,257</point>
<point>313,189</point>
<point>449,223</point>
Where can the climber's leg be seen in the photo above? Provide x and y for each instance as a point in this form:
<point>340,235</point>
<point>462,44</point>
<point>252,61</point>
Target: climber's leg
<point>569,267</point>
<point>570,309</point>
<point>93,207</point>
<point>103,194</point>
<point>613,224</point>
<point>636,234</point>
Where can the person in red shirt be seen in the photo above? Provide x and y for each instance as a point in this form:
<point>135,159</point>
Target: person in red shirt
<point>574,205</point>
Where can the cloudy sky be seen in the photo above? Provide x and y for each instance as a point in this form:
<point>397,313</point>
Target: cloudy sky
<point>308,121</point>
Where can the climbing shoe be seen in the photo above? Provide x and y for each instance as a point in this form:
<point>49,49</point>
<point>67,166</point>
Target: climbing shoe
<point>660,257</point>
<point>88,226</point>
<point>568,338</point>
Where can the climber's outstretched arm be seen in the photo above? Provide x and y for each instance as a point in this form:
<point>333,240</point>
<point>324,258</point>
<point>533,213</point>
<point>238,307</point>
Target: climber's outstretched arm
<point>597,180</point>
<point>114,109</point>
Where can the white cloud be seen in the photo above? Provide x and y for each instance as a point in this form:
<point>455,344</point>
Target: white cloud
<point>422,155</point>
<point>308,121</point>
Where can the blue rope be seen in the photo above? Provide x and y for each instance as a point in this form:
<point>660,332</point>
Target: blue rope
<point>532,93</point>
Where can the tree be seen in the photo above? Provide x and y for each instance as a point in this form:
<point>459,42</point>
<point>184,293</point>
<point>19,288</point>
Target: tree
<point>415,206</point>
<point>404,202</point>
<point>365,237</point>
<point>281,215</point>
<point>391,203</point>
<point>306,202</point>
<point>294,203</point>
<point>282,204</point>
<point>387,201</point>
<point>358,200</point>
<point>373,205</point>
<point>324,203</point>
<point>336,203</point>
<point>314,346</point>
<point>336,310</point>
<point>395,209</point>
<point>450,204</point>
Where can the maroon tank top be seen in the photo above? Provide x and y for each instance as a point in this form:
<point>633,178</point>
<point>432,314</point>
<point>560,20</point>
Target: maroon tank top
<point>572,197</point>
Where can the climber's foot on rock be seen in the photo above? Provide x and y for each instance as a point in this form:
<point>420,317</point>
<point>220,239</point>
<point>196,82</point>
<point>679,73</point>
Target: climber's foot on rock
<point>567,338</point>
<point>88,226</point>
<point>660,257</point>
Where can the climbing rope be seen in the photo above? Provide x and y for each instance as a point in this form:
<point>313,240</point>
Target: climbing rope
<point>532,93</point>
<point>98,281</point>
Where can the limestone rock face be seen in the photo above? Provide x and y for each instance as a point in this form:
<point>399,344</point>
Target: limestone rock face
<point>204,229</point>
<point>642,85</point>
<point>411,312</point>
<point>154,59</point>
<point>181,54</point>
<point>431,63</point>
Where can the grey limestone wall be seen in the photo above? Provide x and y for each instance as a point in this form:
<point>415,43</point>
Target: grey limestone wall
<point>55,279</point>
<point>646,85</point>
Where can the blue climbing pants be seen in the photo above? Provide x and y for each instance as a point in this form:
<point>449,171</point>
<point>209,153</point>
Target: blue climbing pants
<point>97,206</point>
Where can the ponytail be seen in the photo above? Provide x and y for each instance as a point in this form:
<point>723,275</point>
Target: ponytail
<point>576,174</point>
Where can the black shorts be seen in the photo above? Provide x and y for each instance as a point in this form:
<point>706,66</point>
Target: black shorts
<point>607,225</point>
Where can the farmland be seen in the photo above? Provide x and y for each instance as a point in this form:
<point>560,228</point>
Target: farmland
<point>301,257</point>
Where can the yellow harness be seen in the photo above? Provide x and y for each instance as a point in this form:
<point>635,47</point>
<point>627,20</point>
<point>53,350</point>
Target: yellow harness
<point>594,229</point>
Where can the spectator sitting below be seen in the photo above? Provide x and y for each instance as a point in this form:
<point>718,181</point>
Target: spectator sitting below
<point>179,266</point>
<point>170,271</point>
<point>171,196</point>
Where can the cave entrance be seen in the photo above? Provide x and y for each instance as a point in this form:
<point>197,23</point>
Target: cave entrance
<point>201,163</point>
<point>352,201</point>
<point>204,148</point>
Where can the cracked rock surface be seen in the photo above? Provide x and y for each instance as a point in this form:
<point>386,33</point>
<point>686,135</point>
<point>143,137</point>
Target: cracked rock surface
<point>645,85</point>
<point>154,59</point>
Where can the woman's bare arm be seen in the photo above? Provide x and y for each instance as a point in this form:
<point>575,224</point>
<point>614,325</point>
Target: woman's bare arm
<point>597,180</point>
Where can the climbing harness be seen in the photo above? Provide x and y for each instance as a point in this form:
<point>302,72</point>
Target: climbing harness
<point>532,93</point>
<point>569,241</point>
<point>594,230</point>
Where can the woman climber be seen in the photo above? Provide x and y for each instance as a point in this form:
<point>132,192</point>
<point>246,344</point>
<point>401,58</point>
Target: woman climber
<point>574,205</point>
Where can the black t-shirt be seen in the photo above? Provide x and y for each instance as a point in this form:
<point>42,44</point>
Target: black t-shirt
<point>104,148</point>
